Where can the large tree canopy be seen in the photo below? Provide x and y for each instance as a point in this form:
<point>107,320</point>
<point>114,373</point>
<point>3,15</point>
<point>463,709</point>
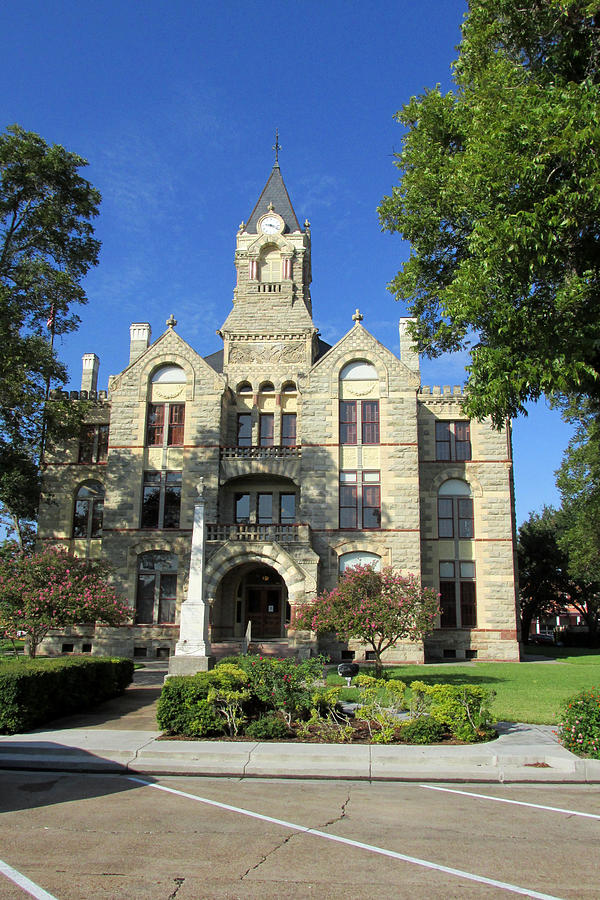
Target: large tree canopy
<point>46,247</point>
<point>578,481</point>
<point>500,199</point>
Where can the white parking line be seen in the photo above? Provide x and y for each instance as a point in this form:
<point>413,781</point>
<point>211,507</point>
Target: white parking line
<point>558,809</point>
<point>23,882</point>
<point>458,873</point>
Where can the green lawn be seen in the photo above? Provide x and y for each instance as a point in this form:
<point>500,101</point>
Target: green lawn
<point>525,692</point>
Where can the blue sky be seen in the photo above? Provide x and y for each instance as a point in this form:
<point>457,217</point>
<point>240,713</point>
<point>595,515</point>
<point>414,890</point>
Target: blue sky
<point>175,106</point>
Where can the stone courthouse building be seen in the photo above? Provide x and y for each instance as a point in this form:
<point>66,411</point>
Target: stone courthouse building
<point>229,489</point>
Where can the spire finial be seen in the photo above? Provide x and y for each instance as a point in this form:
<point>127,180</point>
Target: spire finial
<point>357,317</point>
<point>277,146</point>
<point>171,321</point>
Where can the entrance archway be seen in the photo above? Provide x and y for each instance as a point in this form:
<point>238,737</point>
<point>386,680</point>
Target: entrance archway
<point>264,602</point>
<point>252,592</point>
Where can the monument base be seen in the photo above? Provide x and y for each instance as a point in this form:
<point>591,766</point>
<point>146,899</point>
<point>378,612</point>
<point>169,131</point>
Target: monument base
<point>190,665</point>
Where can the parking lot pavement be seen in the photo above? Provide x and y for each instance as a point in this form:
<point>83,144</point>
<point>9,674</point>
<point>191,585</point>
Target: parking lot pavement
<point>110,836</point>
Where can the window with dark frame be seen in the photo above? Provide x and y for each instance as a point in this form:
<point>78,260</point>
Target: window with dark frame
<point>455,517</point>
<point>287,509</point>
<point>156,592</point>
<point>264,509</point>
<point>171,414</point>
<point>371,500</point>
<point>453,441</point>
<point>93,444</point>
<point>370,421</point>
<point>266,429</point>
<point>288,429</point>
<point>348,422</point>
<point>348,500</point>
<point>88,511</point>
<point>244,430</point>
<point>458,606</point>
<point>161,500</point>
<point>242,508</point>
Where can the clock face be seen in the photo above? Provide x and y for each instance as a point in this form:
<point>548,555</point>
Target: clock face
<point>270,225</point>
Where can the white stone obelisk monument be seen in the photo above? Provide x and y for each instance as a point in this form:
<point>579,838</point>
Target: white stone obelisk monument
<point>192,651</point>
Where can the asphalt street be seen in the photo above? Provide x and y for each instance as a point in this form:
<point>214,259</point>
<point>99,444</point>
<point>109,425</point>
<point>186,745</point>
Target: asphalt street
<point>71,836</point>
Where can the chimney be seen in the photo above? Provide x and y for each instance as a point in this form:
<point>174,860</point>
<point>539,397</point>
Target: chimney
<point>139,339</point>
<point>89,372</point>
<point>408,352</point>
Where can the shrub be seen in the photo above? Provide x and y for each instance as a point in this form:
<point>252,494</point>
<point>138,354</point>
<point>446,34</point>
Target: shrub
<point>464,710</point>
<point>267,728</point>
<point>284,684</point>
<point>380,701</point>
<point>422,730</point>
<point>579,728</point>
<point>178,702</point>
<point>35,691</point>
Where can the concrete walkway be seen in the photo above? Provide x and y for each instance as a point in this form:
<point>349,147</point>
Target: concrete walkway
<point>121,736</point>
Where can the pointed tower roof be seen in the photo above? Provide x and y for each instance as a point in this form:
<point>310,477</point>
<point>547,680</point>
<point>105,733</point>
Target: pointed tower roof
<point>274,192</point>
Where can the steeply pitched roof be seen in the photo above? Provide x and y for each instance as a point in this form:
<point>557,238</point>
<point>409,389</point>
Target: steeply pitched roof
<point>274,192</point>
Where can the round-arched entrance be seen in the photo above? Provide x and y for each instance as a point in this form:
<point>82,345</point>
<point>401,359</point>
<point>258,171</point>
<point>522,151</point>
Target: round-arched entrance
<point>255,593</point>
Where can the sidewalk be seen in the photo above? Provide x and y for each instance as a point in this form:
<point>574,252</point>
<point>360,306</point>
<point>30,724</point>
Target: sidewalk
<point>120,736</point>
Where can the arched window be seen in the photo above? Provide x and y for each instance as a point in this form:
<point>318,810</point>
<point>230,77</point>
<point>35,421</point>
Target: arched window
<point>288,387</point>
<point>88,511</point>
<point>455,510</point>
<point>359,558</point>
<point>269,264</point>
<point>156,592</point>
<point>169,374</point>
<point>244,388</point>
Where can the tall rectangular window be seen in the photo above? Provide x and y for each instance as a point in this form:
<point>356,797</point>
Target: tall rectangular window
<point>242,508</point>
<point>371,500</point>
<point>455,517</point>
<point>287,509</point>
<point>156,422</point>
<point>161,500</point>
<point>348,500</point>
<point>176,424</point>
<point>462,434</point>
<point>171,414</point>
<point>265,509</point>
<point>288,429</point>
<point>445,517</point>
<point>244,430</point>
<point>370,421</point>
<point>347,421</point>
<point>93,444</point>
<point>458,594</point>
<point>453,440</point>
<point>266,429</point>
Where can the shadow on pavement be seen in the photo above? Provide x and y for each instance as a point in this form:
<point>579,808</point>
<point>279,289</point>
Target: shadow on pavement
<point>20,790</point>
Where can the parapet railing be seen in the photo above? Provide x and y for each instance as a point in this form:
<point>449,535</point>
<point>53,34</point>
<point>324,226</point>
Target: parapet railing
<point>261,452</point>
<point>245,531</point>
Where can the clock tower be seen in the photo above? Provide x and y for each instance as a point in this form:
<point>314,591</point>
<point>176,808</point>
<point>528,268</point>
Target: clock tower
<point>271,320</point>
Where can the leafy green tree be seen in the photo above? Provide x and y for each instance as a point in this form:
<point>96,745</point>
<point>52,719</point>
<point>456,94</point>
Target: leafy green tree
<point>46,248</point>
<point>578,481</point>
<point>379,608</point>
<point>543,578</point>
<point>500,200</point>
<point>53,589</point>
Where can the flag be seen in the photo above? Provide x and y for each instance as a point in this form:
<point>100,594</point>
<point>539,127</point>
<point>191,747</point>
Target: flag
<point>50,322</point>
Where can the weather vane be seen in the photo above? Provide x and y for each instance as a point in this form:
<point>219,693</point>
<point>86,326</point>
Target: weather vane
<point>277,146</point>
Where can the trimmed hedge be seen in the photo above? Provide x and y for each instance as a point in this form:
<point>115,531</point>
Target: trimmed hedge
<point>35,691</point>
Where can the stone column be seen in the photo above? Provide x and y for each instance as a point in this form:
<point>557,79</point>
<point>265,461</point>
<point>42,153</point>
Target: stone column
<point>192,651</point>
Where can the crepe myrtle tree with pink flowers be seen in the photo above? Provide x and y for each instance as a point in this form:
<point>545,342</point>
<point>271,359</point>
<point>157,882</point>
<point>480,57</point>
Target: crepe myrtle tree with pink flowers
<point>52,588</point>
<point>379,608</point>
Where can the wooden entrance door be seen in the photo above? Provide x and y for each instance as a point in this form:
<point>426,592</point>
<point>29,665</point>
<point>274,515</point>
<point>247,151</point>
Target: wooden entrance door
<point>263,609</point>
